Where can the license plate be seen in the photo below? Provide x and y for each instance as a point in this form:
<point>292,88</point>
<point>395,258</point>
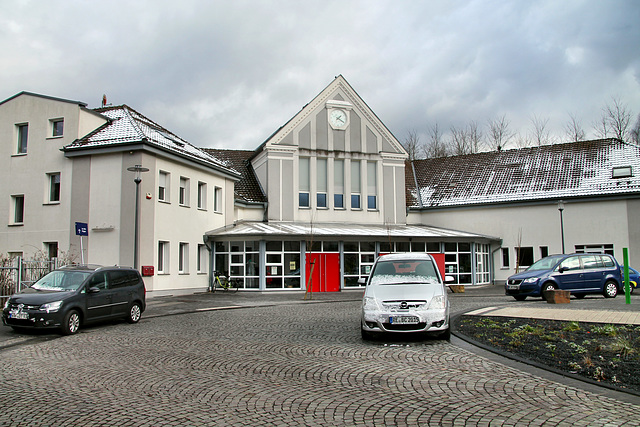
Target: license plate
<point>20,315</point>
<point>513,287</point>
<point>404,319</point>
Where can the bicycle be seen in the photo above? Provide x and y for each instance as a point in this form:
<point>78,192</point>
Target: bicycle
<point>222,280</point>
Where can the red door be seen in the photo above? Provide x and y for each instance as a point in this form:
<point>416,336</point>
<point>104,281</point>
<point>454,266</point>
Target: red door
<point>326,271</point>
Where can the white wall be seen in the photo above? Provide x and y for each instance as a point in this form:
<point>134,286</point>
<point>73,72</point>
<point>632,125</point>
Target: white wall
<point>603,222</point>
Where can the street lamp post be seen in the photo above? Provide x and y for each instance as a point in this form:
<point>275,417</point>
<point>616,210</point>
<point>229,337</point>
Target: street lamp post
<point>561,208</point>
<point>137,169</point>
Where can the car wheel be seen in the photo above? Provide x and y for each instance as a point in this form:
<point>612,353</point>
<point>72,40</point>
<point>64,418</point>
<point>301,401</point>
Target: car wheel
<point>71,322</point>
<point>520,297</point>
<point>610,289</point>
<point>579,296</point>
<point>446,335</point>
<point>135,311</point>
<point>546,287</point>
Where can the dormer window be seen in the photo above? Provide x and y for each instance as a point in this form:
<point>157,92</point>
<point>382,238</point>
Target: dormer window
<point>622,172</point>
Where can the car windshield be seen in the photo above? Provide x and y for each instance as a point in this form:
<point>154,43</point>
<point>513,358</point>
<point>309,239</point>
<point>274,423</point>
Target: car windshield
<point>545,263</point>
<point>398,272</point>
<point>61,281</point>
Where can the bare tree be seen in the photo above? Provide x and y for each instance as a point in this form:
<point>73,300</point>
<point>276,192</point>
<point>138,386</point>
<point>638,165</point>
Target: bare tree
<point>521,140</point>
<point>499,133</point>
<point>635,132</point>
<point>460,143</point>
<point>573,129</point>
<point>475,136</point>
<point>540,134</point>
<point>412,144</point>
<point>436,146</point>
<point>615,121</point>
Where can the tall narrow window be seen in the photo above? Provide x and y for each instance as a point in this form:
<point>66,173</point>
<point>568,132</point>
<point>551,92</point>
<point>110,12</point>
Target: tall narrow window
<point>217,199</point>
<point>338,184</point>
<point>184,191</point>
<point>52,249</point>
<point>57,127</point>
<point>163,257</point>
<point>304,185</point>
<point>355,184</point>
<point>18,209</point>
<point>202,195</point>
<point>163,186</point>
<point>201,260</point>
<point>505,257</point>
<point>372,189</point>
<point>321,183</point>
<point>54,187</point>
<point>23,136</point>
<point>183,258</point>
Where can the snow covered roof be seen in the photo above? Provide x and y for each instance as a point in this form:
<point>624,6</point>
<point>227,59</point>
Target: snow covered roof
<point>603,167</point>
<point>357,231</point>
<point>126,126</point>
<point>247,189</point>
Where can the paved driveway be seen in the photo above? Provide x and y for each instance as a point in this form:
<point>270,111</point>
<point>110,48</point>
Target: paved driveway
<point>288,364</point>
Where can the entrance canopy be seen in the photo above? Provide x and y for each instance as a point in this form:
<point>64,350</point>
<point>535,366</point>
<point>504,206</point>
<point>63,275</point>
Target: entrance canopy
<point>343,231</point>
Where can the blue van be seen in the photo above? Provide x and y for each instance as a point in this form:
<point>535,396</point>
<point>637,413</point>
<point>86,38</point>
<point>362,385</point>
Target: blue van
<point>581,274</point>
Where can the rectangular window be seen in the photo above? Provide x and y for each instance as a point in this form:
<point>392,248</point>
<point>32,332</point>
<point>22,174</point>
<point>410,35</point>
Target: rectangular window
<point>505,257</point>
<point>303,183</point>
<point>183,258</point>
<point>321,183</point>
<point>338,184</point>
<point>217,199</point>
<point>163,257</point>
<point>54,187</point>
<point>524,257</point>
<point>201,260</point>
<point>372,189</point>
<point>163,186</point>
<point>544,251</point>
<point>23,136</point>
<point>57,127</point>
<point>595,249</point>
<point>355,184</point>
<point>18,208</point>
<point>184,191</point>
<point>202,195</point>
<point>51,249</point>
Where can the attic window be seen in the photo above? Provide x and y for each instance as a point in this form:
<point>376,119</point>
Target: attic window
<point>170,137</point>
<point>621,172</point>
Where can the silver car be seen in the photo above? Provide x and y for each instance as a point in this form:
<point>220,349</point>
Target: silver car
<point>405,293</point>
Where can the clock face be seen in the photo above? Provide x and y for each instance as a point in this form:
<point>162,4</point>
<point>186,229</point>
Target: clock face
<point>338,118</point>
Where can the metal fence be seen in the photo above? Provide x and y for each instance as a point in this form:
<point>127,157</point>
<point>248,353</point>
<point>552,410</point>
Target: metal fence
<point>17,273</point>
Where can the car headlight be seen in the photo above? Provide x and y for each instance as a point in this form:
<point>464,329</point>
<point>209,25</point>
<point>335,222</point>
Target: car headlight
<point>439,302</point>
<point>51,307</point>
<point>531,280</point>
<point>370,303</point>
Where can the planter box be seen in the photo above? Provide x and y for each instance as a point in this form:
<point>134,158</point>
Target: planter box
<point>457,289</point>
<point>557,297</point>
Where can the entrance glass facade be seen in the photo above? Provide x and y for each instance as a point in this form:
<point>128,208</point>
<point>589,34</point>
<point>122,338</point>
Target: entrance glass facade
<point>279,264</point>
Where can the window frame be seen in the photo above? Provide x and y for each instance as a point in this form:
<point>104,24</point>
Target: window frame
<point>202,195</point>
<point>164,187</point>
<point>22,130</point>
<point>53,188</point>
<point>217,199</point>
<point>183,258</point>
<point>505,259</point>
<point>183,192</point>
<point>53,126</point>
<point>17,207</point>
<point>164,257</point>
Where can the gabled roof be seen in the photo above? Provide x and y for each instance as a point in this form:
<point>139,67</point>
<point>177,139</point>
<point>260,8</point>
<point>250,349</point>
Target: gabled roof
<point>339,83</point>
<point>560,171</point>
<point>128,127</point>
<point>247,189</point>
<point>37,95</point>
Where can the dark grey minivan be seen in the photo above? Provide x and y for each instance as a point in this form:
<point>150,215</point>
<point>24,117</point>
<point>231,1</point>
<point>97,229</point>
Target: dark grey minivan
<point>72,296</point>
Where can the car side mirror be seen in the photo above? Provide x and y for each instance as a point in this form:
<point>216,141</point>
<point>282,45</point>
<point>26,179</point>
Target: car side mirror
<point>449,279</point>
<point>93,290</point>
<point>562,269</point>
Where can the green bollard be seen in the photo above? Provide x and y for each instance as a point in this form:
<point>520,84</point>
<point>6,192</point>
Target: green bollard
<point>625,260</point>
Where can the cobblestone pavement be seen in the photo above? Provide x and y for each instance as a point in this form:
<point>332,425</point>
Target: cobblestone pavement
<point>278,364</point>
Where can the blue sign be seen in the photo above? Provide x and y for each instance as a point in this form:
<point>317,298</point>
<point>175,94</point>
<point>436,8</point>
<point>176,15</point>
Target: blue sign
<point>82,229</point>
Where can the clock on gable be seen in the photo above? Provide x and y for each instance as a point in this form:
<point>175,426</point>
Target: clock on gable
<point>338,113</point>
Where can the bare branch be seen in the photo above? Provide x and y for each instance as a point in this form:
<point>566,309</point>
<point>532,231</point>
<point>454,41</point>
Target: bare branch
<point>573,129</point>
<point>436,146</point>
<point>540,134</point>
<point>412,144</point>
<point>499,133</point>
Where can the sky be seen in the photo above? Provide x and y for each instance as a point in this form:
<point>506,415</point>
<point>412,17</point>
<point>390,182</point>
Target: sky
<point>227,74</point>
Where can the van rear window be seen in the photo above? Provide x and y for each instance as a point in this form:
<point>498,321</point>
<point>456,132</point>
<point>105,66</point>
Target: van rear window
<point>121,279</point>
